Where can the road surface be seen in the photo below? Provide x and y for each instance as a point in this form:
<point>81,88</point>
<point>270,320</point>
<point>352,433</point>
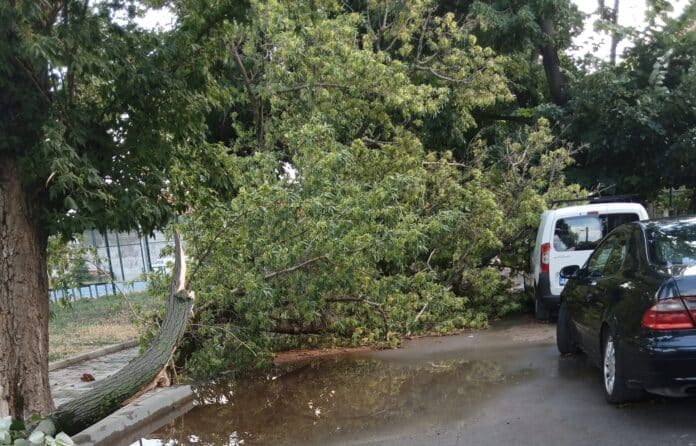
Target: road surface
<point>503,386</point>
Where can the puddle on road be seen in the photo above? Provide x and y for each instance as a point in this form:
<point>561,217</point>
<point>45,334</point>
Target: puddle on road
<point>337,398</point>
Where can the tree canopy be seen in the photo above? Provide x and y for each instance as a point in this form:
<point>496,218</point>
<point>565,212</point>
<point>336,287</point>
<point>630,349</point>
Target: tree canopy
<point>636,119</point>
<point>362,201</point>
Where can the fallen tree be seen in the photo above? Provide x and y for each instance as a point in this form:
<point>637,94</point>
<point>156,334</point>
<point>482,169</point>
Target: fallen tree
<point>143,372</point>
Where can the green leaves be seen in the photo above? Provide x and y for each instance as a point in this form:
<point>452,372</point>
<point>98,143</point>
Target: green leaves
<point>98,114</point>
<point>633,119</point>
<point>332,213</point>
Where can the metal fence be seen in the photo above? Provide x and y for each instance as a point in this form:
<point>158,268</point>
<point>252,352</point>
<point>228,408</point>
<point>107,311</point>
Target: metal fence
<point>125,256</point>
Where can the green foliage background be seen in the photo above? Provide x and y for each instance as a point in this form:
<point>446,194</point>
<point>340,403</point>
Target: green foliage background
<point>336,211</point>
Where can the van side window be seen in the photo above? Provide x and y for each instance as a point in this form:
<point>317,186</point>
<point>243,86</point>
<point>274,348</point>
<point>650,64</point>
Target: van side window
<point>577,233</point>
<point>615,220</point>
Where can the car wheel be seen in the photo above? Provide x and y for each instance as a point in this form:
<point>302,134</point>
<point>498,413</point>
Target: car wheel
<point>614,378</point>
<point>564,335</point>
<point>541,311</point>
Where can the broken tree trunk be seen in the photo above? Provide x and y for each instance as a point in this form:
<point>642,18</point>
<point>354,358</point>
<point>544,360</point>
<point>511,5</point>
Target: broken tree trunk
<point>109,395</point>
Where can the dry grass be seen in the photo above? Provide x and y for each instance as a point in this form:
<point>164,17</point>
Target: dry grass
<point>84,339</point>
<point>89,324</point>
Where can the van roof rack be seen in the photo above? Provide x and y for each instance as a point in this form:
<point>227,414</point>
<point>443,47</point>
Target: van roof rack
<point>627,198</point>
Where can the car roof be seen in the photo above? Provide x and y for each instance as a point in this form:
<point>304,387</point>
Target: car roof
<point>668,221</point>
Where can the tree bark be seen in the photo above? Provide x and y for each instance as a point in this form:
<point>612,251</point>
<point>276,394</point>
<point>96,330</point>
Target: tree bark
<point>109,395</point>
<point>254,100</point>
<point>552,64</point>
<point>24,386</point>
<point>611,16</point>
<point>614,36</point>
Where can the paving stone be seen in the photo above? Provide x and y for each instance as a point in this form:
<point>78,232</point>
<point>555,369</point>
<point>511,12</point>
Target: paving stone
<point>66,383</point>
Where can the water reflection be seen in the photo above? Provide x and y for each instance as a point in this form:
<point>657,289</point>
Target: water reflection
<point>332,398</point>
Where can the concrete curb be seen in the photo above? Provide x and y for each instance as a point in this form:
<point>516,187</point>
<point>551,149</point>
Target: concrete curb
<point>146,414</point>
<point>90,355</point>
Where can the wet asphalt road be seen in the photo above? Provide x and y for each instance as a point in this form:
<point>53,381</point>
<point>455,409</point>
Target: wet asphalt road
<point>561,403</point>
<point>504,386</point>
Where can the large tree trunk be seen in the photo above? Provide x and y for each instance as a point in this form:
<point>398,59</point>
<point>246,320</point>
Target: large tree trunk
<point>24,388</point>
<point>109,395</point>
<point>552,64</point>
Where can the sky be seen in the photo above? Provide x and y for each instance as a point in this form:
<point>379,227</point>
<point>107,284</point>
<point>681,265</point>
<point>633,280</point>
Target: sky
<point>631,13</point>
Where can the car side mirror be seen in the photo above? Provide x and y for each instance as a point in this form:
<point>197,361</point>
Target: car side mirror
<point>569,271</point>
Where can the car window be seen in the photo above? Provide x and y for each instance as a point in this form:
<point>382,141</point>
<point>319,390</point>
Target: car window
<point>584,232</point>
<point>616,258</point>
<point>672,244</point>
<point>609,257</point>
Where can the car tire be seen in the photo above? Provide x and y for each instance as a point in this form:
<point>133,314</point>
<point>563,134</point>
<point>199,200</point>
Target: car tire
<point>541,311</point>
<point>613,374</point>
<point>565,340</point>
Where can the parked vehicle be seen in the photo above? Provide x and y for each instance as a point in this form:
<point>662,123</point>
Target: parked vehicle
<point>632,309</point>
<point>567,236</point>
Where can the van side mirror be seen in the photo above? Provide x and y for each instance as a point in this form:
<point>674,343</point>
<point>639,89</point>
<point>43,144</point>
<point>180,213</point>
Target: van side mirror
<point>569,271</point>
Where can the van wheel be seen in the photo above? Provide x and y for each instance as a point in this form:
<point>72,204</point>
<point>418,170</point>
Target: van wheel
<point>541,311</point>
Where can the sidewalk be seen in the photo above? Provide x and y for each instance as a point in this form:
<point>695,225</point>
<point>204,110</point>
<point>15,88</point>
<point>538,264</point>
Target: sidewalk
<point>146,414</point>
<point>66,383</point>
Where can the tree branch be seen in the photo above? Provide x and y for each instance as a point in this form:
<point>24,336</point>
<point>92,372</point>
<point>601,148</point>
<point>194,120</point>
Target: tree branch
<point>206,253</point>
<point>432,253</point>
<point>376,305</point>
<point>449,163</point>
<point>236,291</point>
<point>295,268</point>
<point>437,74</point>
<point>254,98</point>
<point>422,36</point>
<point>311,86</point>
<point>418,316</point>
<point>283,326</point>
<point>32,76</point>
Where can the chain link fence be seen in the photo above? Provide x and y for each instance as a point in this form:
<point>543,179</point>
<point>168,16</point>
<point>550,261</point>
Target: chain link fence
<point>120,261</point>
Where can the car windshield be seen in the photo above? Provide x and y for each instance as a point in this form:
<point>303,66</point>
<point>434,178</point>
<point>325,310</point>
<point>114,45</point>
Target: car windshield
<point>672,244</point>
<point>585,231</point>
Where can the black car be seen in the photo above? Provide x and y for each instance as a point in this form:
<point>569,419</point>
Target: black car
<point>632,309</point>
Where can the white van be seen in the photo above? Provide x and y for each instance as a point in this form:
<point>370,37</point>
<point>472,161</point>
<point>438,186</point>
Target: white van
<point>567,236</point>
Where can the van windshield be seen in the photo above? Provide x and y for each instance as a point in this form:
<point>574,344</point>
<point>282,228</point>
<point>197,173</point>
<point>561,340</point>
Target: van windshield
<point>584,232</point>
